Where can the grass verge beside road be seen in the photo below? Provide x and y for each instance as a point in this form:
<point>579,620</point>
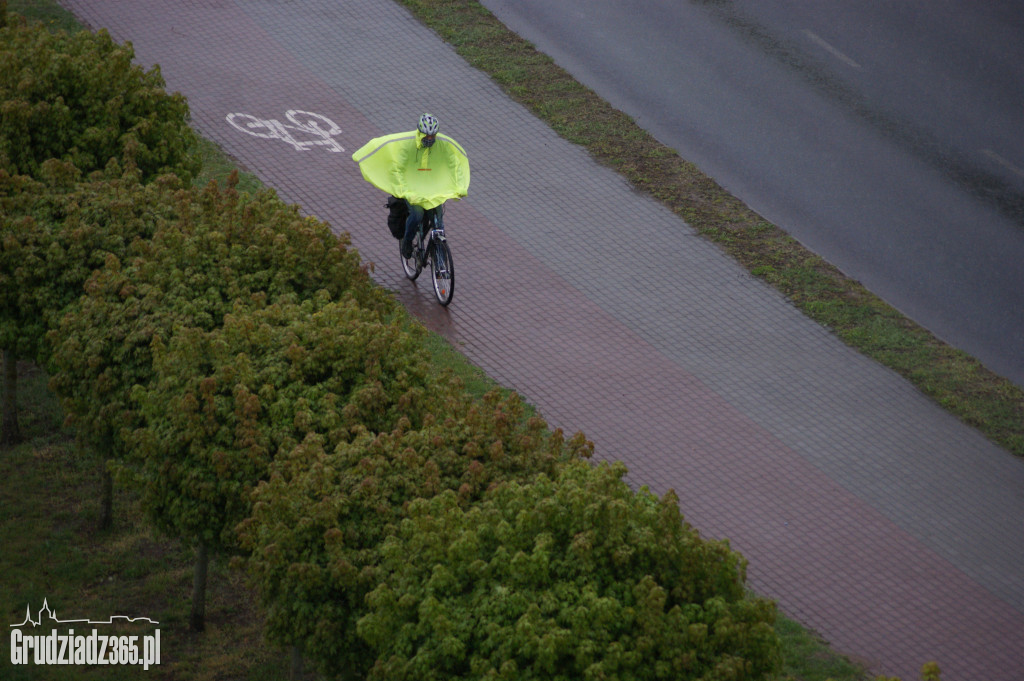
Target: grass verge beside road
<point>959,383</point>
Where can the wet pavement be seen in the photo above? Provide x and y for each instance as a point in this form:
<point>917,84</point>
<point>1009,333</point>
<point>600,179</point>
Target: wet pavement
<point>870,514</point>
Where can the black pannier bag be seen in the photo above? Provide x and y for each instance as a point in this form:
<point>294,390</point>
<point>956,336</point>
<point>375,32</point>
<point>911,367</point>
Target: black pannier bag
<point>398,213</point>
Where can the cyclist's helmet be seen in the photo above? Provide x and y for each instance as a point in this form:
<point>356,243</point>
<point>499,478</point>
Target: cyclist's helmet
<point>428,124</point>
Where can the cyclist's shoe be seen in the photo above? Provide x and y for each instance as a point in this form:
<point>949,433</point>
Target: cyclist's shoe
<point>406,249</point>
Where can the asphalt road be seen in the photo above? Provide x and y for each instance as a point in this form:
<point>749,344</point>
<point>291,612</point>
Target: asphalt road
<point>884,136</point>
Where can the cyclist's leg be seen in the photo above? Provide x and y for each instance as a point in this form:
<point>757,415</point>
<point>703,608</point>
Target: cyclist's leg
<point>412,224</point>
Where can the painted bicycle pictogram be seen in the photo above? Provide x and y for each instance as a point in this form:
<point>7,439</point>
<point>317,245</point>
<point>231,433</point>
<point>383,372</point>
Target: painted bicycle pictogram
<point>303,131</point>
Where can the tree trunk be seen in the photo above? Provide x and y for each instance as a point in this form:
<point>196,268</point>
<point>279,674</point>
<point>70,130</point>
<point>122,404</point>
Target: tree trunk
<point>197,620</point>
<point>11,434</point>
<point>297,673</point>
<point>106,497</point>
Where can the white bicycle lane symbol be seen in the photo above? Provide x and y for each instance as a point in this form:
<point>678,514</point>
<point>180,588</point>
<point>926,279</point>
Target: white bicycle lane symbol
<point>304,125</point>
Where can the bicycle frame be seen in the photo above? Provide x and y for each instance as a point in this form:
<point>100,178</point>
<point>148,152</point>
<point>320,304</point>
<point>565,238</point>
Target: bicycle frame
<point>430,245</point>
<point>431,228</point>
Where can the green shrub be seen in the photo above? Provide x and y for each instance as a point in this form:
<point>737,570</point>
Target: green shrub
<point>211,254</point>
<point>319,522</point>
<point>79,98</point>
<point>565,577</point>
<point>55,232</point>
<point>72,104</point>
<point>223,402</point>
<point>208,253</point>
<point>51,244</point>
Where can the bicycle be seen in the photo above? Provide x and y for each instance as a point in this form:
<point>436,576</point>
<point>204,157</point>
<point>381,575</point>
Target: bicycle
<point>431,245</point>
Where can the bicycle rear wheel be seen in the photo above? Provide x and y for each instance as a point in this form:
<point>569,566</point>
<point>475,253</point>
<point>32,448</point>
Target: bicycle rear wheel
<point>443,270</point>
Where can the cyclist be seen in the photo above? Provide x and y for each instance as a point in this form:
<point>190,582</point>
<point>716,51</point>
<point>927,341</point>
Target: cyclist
<point>426,137</point>
<point>422,167</point>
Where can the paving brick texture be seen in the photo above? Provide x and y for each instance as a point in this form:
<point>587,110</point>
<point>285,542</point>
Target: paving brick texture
<point>868,513</point>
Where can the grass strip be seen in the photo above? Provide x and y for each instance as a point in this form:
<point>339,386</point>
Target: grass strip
<point>953,379</point>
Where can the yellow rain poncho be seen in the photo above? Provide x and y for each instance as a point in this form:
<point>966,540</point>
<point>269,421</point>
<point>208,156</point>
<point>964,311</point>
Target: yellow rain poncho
<point>400,165</point>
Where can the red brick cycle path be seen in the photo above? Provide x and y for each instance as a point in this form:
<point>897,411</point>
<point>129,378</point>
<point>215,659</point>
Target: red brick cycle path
<point>868,514</point>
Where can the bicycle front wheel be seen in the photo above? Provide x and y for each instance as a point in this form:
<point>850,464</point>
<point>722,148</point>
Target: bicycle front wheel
<point>443,269</point>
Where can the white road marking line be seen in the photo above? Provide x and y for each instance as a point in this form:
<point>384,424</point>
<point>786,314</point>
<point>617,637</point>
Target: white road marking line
<point>1002,161</point>
<point>833,51</point>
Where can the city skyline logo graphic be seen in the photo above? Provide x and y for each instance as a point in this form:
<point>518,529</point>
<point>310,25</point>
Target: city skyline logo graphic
<point>62,646</point>
<point>52,617</point>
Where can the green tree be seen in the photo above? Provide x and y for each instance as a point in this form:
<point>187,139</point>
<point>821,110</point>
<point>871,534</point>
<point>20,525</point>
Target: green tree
<point>567,577</point>
<point>318,523</point>
<point>212,254</point>
<point>55,232</point>
<point>208,252</point>
<point>23,248</point>
<point>223,402</point>
<point>79,98</point>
